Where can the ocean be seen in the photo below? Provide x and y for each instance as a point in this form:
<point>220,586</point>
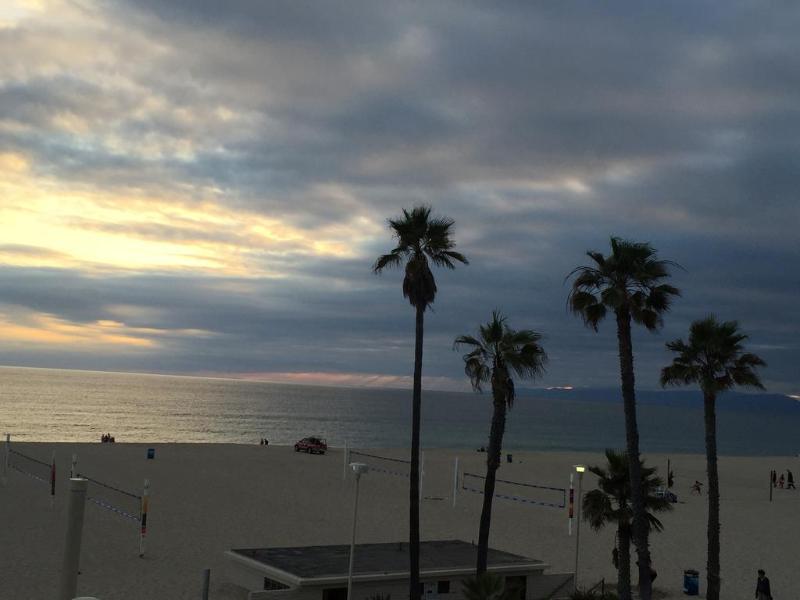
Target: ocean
<point>79,406</point>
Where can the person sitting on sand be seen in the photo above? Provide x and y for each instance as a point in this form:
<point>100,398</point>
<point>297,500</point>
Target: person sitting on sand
<point>789,480</point>
<point>697,488</point>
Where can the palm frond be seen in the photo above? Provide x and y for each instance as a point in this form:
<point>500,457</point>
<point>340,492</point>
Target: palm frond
<point>393,259</point>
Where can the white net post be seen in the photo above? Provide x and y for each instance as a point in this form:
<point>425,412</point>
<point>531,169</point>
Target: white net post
<point>421,473</point>
<point>455,481</point>
<point>76,504</point>
<point>571,502</point>
<point>6,457</point>
<point>346,460</point>
<point>143,516</point>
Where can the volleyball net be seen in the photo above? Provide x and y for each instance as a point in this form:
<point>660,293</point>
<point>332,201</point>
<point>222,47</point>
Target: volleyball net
<point>126,504</point>
<point>34,468</point>
<point>396,467</point>
<point>517,491</point>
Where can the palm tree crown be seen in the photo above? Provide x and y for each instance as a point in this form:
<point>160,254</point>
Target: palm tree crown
<point>420,237</point>
<point>713,358</point>
<point>497,351</point>
<point>610,503</point>
<point>629,279</point>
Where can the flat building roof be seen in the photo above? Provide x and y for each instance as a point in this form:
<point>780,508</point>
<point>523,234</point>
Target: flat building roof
<point>324,562</point>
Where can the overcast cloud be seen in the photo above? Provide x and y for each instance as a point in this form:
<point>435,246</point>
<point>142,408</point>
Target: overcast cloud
<point>201,187</point>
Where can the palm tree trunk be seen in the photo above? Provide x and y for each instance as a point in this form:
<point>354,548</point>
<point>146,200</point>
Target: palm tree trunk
<point>413,488</point>
<point>624,568</point>
<point>712,564</point>
<point>492,464</point>
<point>634,464</point>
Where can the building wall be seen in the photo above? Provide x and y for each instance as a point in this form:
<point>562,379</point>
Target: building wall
<point>539,587</point>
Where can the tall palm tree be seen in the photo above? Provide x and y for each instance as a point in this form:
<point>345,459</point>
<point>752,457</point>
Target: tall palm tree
<point>629,282</point>
<point>714,359</point>
<point>610,503</point>
<point>493,356</point>
<point>420,238</point>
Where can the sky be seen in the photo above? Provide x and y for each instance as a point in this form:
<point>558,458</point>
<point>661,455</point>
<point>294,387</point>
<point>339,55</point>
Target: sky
<point>201,187</point>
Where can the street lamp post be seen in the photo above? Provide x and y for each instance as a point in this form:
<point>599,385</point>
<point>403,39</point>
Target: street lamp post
<point>359,469</point>
<point>579,469</point>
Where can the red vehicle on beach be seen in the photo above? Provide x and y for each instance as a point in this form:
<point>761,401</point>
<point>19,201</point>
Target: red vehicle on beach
<point>312,445</point>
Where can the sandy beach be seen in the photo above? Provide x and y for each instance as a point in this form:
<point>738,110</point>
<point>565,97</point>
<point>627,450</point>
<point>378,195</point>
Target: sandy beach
<point>206,499</point>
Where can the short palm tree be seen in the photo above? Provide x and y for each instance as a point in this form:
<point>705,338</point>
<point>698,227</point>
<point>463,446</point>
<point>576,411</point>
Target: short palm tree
<point>421,239</point>
<point>610,503</point>
<point>493,356</point>
<point>715,360</point>
<point>488,586</point>
<point>629,282</point>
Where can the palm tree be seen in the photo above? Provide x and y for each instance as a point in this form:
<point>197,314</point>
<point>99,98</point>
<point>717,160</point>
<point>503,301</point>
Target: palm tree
<point>715,360</point>
<point>629,283</point>
<point>493,356</point>
<point>420,237</point>
<point>610,503</point>
<point>488,586</point>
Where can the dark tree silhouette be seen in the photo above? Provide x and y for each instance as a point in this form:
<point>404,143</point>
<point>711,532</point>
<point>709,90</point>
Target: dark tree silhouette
<point>715,360</point>
<point>628,282</point>
<point>420,238</point>
<point>610,503</point>
<point>493,356</point>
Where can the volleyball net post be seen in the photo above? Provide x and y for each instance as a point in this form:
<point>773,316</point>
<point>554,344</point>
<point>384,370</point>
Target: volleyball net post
<point>143,516</point>
<point>6,455</point>
<point>346,460</point>
<point>76,506</point>
<point>73,469</point>
<point>421,472</point>
<point>571,502</point>
<point>455,481</point>
<point>53,480</point>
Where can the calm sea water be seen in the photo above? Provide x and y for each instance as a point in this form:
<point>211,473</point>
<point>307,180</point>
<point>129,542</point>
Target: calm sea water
<point>59,405</point>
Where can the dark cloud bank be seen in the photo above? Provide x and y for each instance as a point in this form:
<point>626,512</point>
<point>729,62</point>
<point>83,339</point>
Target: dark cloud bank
<point>540,128</point>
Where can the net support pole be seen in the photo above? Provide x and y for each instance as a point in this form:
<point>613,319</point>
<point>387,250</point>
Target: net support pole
<point>421,472</point>
<point>455,481</point>
<point>145,507</point>
<point>6,457</point>
<point>346,460</point>
<point>53,480</point>
<point>571,502</point>
<point>76,505</point>
<point>73,470</point>
<point>206,582</point>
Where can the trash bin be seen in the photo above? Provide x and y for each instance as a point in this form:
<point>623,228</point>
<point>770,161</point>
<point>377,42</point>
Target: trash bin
<point>151,453</point>
<point>691,582</point>
<point>508,458</point>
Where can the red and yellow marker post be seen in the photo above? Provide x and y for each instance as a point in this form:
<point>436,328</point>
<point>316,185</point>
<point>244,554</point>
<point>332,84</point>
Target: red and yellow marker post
<point>571,503</point>
<point>53,481</point>
<point>143,516</point>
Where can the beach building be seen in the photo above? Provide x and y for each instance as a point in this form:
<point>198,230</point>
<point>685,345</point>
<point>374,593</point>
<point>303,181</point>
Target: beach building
<point>320,572</point>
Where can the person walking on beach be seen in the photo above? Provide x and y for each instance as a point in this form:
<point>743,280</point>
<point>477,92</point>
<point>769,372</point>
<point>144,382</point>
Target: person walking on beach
<point>789,480</point>
<point>774,477</point>
<point>762,586</point>
<point>780,481</point>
